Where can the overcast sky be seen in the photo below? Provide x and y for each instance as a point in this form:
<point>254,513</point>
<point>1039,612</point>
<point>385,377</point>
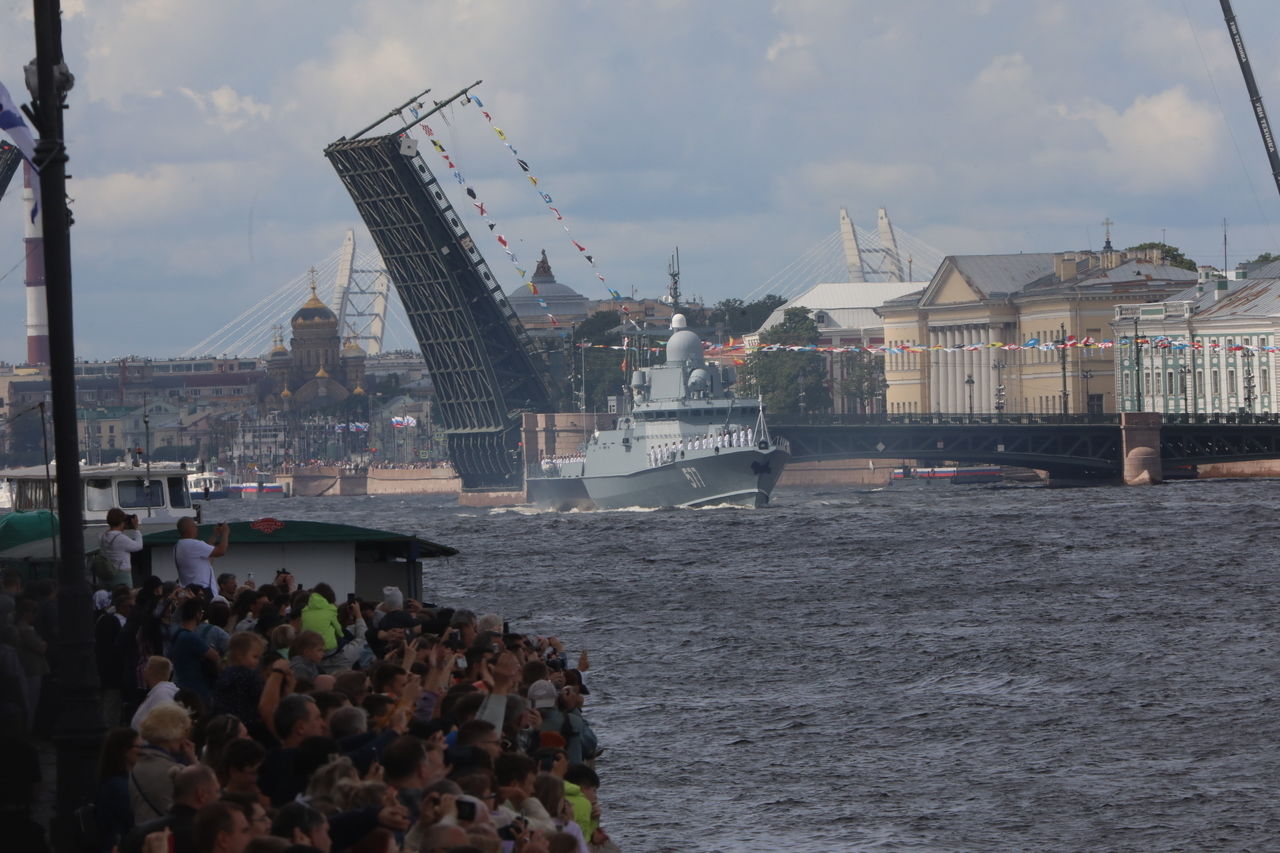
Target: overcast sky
<point>735,129</point>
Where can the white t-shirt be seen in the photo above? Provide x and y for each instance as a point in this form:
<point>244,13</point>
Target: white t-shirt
<point>194,566</point>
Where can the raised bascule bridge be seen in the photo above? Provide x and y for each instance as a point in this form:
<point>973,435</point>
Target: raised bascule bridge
<point>482,364</point>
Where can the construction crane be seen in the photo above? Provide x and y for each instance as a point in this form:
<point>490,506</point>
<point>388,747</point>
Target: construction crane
<point>1259,112</point>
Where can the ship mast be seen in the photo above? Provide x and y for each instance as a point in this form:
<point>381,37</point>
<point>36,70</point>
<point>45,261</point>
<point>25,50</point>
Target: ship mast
<point>673,289</point>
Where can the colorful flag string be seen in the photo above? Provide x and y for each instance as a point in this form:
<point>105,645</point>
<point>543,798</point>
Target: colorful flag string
<point>547,200</point>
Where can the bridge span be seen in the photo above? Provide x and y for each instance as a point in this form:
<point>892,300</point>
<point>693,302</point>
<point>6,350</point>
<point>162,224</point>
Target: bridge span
<point>1133,447</point>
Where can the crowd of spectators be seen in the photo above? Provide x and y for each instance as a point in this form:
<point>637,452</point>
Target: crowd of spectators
<point>279,718</point>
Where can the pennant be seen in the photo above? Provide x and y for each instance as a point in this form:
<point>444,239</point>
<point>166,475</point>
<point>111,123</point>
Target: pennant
<point>578,246</point>
<point>502,240</point>
<point>553,320</point>
<point>615,294</point>
<point>480,207</point>
<point>599,276</point>
<point>522,272</point>
<point>498,131</point>
<point>547,199</point>
<point>523,164</point>
<point>458,177</point>
<point>492,225</point>
<point>427,129</point>
<point>557,213</point>
<point>479,103</point>
<point>415,113</point>
<point>1032,342</point>
<point>471,192</point>
<point>533,180</point>
<point>533,288</point>
<point>448,162</point>
<point>591,260</point>
<point>438,146</point>
<point>487,116</point>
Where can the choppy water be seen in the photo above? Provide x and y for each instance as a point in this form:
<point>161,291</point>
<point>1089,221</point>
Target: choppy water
<point>926,667</point>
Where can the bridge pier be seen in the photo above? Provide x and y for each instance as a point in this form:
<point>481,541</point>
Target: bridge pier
<point>1140,443</point>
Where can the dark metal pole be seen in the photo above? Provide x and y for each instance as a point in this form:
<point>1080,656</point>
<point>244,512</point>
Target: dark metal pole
<point>1137,351</point>
<point>78,727</point>
<point>1062,358</point>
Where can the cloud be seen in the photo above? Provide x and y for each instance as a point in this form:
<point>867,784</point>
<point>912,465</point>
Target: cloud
<point>227,108</point>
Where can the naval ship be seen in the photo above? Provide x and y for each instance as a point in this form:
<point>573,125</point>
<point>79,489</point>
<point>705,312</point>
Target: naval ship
<point>686,441</point>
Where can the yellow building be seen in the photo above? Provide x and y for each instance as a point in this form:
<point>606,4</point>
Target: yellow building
<point>974,301</point>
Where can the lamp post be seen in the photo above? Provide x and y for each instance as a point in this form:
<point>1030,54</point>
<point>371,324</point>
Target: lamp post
<point>999,367</point>
<point>1184,373</point>
<point>1137,360</point>
<point>1061,343</point>
<point>968,380</point>
<point>1086,375</point>
<point>1249,386</point>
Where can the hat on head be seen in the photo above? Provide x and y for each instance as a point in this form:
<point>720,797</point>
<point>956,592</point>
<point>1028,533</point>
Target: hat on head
<point>542,694</point>
<point>101,600</point>
<point>553,740</point>
<point>393,597</point>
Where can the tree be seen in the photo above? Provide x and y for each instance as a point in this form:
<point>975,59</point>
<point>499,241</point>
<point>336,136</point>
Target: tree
<point>603,367</point>
<point>1172,254</point>
<point>792,383</point>
<point>863,383</point>
<point>742,318</point>
<point>1264,258</point>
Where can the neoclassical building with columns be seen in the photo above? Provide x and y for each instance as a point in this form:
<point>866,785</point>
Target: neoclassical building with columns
<point>1011,299</point>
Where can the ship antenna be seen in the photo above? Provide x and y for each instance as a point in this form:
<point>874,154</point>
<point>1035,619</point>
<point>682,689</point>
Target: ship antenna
<point>673,289</point>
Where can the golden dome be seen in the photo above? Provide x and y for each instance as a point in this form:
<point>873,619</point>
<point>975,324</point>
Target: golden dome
<point>322,374</point>
<point>352,349</point>
<point>314,313</point>
<point>286,393</point>
<point>359,391</point>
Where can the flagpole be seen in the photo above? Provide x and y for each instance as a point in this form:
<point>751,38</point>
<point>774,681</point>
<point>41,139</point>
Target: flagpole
<point>78,727</point>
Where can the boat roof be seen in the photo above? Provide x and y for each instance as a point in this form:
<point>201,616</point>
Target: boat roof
<point>275,531</point>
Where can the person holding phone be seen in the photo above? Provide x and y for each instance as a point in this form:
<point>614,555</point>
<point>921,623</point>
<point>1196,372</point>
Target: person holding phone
<point>193,558</point>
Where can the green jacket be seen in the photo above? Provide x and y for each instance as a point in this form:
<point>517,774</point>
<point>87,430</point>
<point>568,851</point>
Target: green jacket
<point>581,810</point>
<point>322,617</point>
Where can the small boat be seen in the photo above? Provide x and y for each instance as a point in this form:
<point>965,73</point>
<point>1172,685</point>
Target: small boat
<point>207,487</point>
<point>960,474</point>
<point>253,490</point>
<point>158,494</point>
<point>685,441</point>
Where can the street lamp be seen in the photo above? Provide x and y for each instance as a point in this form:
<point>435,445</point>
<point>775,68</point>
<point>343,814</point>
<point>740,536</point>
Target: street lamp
<point>1086,375</point>
<point>1061,343</point>
<point>968,380</point>
<point>1185,372</point>
<point>1137,360</point>
<point>999,367</point>
<point>1249,386</point>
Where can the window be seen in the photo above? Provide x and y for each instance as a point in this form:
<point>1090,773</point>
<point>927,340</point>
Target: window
<point>97,495</point>
<point>1231,381</point>
<point>140,493</point>
<point>1214,379</point>
<point>178,494</point>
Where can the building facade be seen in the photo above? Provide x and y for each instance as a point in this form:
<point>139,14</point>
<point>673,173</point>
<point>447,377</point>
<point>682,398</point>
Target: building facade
<point>975,305</point>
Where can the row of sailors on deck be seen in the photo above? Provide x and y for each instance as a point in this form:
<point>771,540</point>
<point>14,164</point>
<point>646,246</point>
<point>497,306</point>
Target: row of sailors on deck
<point>668,453</point>
<point>553,464</point>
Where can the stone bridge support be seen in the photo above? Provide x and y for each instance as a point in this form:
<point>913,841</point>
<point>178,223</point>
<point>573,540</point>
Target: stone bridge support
<point>1140,443</point>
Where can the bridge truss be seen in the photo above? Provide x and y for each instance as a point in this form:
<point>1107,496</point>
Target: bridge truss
<point>479,355</point>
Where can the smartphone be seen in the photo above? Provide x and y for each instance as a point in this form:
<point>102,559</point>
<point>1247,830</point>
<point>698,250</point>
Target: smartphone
<point>466,810</point>
<point>351,596</point>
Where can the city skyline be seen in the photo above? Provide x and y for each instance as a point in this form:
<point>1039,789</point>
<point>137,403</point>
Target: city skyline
<point>196,134</point>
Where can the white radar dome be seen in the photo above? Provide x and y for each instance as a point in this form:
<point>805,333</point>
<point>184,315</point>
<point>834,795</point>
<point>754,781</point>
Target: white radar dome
<point>684,344</point>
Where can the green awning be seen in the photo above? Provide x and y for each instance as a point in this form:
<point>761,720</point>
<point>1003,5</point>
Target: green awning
<point>273,530</point>
<point>21,528</point>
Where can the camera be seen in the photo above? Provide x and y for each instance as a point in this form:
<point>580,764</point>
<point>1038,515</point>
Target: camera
<point>466,810</point>
<point>453,640</point>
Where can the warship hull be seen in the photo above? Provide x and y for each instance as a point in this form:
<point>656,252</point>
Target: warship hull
<point>739,476</point>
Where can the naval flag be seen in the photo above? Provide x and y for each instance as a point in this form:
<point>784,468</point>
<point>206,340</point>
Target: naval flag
<point>11,122</point>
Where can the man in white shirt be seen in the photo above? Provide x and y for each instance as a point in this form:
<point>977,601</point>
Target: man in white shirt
<point>193,557</point>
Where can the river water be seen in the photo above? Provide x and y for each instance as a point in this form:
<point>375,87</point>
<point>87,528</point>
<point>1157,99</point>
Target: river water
<point>922,667</point>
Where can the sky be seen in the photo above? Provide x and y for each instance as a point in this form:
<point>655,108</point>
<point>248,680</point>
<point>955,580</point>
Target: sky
<point>734,129</point>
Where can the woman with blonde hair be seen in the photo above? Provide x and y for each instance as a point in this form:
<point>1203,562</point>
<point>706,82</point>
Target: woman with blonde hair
<point>166,734</point>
